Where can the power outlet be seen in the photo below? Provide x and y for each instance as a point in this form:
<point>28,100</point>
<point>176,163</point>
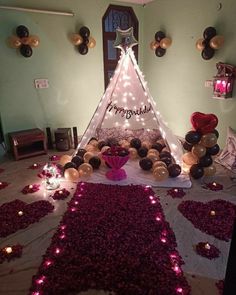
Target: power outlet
<point>41,83</point>
<point>208,83</point>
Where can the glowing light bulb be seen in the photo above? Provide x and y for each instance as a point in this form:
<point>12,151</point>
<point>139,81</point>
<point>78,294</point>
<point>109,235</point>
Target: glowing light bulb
<point>57,251</point>
<point>153,202</point>
<point>73,209</point>
<point>63,227</point>
<point>20,213</point>
<point>62,236</point>
<point>163,240</point>
<point>76,202</point>
<point>179,290</point>
<point>213,213</point>
<point>48,262</point>
<point>151,197</point>
<point>8,250</point>
<point>158,218</point>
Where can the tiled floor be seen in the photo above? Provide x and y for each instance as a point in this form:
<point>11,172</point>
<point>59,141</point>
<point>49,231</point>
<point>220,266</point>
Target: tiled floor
<point>15,276</point>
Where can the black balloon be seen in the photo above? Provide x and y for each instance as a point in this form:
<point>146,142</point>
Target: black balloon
<point>145,164</point>
<point>196,171</point>
<point>208,53</point>
<point>166,160</point>
<point>22,31</point>
<point>69,165</point>
<point>81,152</point>
<point>95,162</point>
<point>209,33</point>
<point>142,152</point>
<point>157,146</point>
<point>26,50</point>
<point>165,154</point>
<point>84,32</point>
<point>193,137</point>
<point>78,160</point>
<point>83,49</point>
<point>214,150</point>
<point>101,144</point>
<point>187,146</point>
<point>174,170</point>
<point>135,143</point>
<point>112,141</point>
<point>160,51</point>
<point>205,161</point>
<point>216,133</point>
<point>159,35</point>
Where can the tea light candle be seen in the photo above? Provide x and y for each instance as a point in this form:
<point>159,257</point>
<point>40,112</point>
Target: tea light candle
<point>207,246</point>
<point>213,213</point>
<point>20,213</point>
<point>8,250</point>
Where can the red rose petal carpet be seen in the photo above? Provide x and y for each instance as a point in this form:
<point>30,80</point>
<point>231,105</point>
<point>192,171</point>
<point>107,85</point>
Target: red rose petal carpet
<point>112,238</point>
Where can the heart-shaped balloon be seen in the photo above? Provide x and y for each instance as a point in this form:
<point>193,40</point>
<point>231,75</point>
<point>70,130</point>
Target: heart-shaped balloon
<point>205,123</point>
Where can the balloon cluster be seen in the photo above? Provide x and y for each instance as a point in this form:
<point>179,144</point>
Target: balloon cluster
<point>155,157</point>
<point>24,41</point>
<point>160,44</point>
<point>209,43</point>
<point>201,144</point>
<point>83,40</point>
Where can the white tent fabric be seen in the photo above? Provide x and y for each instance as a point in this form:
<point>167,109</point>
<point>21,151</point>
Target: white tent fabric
<point>127,105</point>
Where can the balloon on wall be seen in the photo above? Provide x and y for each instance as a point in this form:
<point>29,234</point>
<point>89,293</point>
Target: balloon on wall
<point>160,44</point>
<point>83,40</point>
<point>209,43</point>
<point>24,41</point>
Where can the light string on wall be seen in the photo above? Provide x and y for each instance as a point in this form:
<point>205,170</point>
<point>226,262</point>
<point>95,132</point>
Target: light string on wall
<point>83,40</point>
<point>24,41</point>
<point>160,44</point>
<point>209,43</point>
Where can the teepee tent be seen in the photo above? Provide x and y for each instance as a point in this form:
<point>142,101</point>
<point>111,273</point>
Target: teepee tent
<point>128,110</point>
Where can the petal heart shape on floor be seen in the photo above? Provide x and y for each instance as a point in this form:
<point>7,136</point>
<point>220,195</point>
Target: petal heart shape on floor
<point>17,215</point>
<point>214,218</point>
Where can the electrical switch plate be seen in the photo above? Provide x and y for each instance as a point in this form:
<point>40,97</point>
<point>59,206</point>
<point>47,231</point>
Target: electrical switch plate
<point>41,83</point>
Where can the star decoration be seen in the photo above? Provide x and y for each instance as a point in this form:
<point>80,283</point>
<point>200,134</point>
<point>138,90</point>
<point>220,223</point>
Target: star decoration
<point>125,39</point>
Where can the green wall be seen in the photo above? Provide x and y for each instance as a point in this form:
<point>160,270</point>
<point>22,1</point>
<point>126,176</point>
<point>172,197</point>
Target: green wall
<point>76,82</point>
<point>177,79</point>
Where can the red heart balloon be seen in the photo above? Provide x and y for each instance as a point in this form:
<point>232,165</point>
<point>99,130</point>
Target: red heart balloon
<point>205,123</point>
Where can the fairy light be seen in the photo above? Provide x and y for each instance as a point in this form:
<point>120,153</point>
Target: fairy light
<point>48,262</point>
<point>57,251</point>
<point>158,218</point>
<point>213,213</point>
<point>163,240</point>
<point>179,290</point>
<point>35,165</point>
<point>20,213</point>
<point>30,186</point>
<point>40,281</point>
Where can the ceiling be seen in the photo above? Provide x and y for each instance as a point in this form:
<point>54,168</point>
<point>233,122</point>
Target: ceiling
<point>141,2</point>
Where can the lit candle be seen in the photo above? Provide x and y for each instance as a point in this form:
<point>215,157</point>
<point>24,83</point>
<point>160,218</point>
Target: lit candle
<point>20,213</point>
<point>207,246</point>
<point>8,250</point>
<point>213,213</point>
<point>30,186</point>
